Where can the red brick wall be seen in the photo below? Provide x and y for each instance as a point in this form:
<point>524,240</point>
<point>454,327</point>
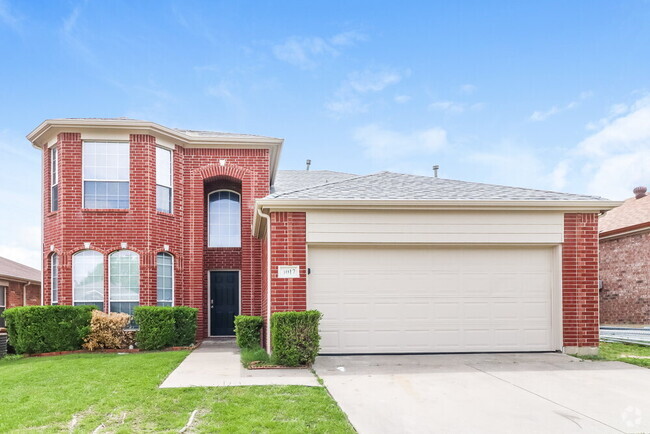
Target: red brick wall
<point>288,247</point>
<point>580,280</point>
<point>15,298</point>
<point>146,230</point>
<point>625,272</point>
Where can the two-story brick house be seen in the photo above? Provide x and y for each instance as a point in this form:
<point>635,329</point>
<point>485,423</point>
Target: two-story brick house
<point>138,213</point>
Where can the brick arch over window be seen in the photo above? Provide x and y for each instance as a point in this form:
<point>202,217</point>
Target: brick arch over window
<point>195,208</point>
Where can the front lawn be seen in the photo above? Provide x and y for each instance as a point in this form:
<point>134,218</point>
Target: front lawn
<point>628,353</point>
<point>83,391</point>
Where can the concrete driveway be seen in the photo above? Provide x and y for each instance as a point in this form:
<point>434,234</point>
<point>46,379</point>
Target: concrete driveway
<point>485,393</point>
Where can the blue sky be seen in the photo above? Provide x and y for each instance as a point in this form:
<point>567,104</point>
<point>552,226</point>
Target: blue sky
<point>549,95</point>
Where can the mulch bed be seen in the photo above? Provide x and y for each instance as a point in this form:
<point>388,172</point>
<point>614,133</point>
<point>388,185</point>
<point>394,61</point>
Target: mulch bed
<point>135,350</point>
<point>258,365</point>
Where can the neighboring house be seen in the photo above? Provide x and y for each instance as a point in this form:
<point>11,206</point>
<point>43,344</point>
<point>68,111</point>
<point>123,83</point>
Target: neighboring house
<point>20,285</point>
<point>138,213</point>
<point>625,262</point>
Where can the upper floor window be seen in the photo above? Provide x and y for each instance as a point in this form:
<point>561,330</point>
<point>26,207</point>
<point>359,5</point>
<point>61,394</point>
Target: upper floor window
<point>165,279</point>
<point>54,182</point>
<point>164,180</point>
<point>224,219</point>
<point>88,278</point>
<point>54,275</point>
<point>106,175</point>
<point>124,281</point>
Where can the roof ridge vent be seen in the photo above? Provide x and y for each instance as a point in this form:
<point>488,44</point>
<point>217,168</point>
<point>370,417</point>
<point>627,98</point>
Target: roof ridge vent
<point>640,192</point>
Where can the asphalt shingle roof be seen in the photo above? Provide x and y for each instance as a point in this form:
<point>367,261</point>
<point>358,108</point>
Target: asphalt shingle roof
<point>633,212</point>
<point>9,268</point>
<point>399,186</point>
<point>290,180</point>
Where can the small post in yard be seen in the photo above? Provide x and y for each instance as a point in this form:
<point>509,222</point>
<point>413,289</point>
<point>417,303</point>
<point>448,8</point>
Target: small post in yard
<point>3,344</point>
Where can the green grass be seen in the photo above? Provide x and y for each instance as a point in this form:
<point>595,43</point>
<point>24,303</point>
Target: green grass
<point>121,391</point>
<point>250,355</point>
<point>618,352</point>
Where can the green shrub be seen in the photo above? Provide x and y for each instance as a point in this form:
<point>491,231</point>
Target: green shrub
<point>156,327</point>
<point>257,354</point>
<point>247,331</point>
<point>163,326</point>
<point>44,329</point>
<point>185,326</point>
<point>295,337</point>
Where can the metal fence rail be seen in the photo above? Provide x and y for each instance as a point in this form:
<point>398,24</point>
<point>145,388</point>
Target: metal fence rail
<point>639,336</point>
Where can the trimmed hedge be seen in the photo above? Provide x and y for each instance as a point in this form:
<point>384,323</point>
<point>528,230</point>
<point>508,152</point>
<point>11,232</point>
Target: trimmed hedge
<point>295,337</point>
<point>45,329</point>
<point>247,331</point>
<point>185,325</point>
<point>156,327</point>
<point>162,326</point>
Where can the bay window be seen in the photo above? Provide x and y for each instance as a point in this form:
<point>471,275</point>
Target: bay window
<point>54,275</point>
<point>106,175</point>
<point>124,281</point>
<point>165,279</point>
<point>88,278</point>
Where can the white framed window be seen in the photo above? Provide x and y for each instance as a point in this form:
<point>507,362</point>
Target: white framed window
<point>165,279</point>
<point>54,181</point>
<point>88,278</point>
<point>54,276</point>
<point>3,304</point>
<point>164,187</point>
<point>124,281</point>
<point>224,219</point>
<point>106,175</point>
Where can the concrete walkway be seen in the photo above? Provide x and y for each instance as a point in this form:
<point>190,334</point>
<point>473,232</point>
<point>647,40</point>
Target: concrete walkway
<point>216,363</point>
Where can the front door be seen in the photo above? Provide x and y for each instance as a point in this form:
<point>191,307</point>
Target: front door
<point>224,302</point>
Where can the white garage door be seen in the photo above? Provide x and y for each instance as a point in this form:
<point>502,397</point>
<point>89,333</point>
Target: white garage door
<point>424,299</point>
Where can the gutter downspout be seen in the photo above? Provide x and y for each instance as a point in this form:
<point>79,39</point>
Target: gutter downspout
<point>25,285</point>
<point>267,217</point>
<point>43,223</point>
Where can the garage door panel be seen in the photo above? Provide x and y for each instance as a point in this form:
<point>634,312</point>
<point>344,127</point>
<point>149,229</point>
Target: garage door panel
<point>414,299</point>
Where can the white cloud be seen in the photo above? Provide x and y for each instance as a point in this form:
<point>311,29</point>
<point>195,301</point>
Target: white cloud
<point>381,143</point>
<point>402,99</point>
<point>558,177</point>
<point>468,89</point>
<point>23,245</point>
<point>508,163</point>
<point>616,158</point>
<point>347,38</point>
<point>9,17</point>
<point>347,98</point>
<point>221,90</point>
<point>372,81</point>
<point>455,107</point>
<point>542,115</point>
<point>30,257</point>
<point>304,52</point>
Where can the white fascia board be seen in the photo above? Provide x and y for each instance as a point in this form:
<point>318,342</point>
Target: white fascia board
<point>566,206</point>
